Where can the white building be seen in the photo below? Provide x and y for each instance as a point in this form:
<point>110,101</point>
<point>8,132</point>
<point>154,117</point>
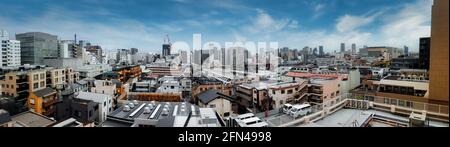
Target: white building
<point>10,51</point>
<point>104,87</point>
<point>172,87</point>
<point>105,103</point>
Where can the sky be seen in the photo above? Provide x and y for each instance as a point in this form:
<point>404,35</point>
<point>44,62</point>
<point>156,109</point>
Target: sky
<point>143,24</point>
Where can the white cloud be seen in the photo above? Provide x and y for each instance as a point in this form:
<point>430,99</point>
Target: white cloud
<point>349,22</point>
<point>406,27</point>
<point>319,7</point>
<point>117,33</point>
<point>265,23</point>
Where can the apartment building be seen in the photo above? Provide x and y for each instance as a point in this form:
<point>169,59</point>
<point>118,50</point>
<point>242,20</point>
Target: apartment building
<point>287,92</point>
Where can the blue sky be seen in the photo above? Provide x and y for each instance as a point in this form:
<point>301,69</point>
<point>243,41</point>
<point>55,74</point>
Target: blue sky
<point>293,23</point>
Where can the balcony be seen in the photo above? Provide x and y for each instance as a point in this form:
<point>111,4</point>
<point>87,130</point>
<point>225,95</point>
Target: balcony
<point>49,112</point>
<point>50,103</point>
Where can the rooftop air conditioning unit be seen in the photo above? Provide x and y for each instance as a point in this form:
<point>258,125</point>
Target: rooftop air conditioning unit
<point>131,105</point>
<point>165,112</point>
<point>126,108</point>
<point>147,110</point>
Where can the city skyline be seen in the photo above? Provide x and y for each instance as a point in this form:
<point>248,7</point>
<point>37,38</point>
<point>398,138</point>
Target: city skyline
<point>308,23</point>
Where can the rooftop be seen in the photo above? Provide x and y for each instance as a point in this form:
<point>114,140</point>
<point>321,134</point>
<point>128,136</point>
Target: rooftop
<point>210,95</point>
<point>31,119</point>
<point>162,114</point>
<point>45,92</point>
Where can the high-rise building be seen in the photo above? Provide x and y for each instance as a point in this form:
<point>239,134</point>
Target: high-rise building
<point>342,47</point>
<point>424,53</point>
<point>439,83</point>
<point>134,51</point>
<point>353,48</point>
<point>406,50</point>
<point>321,53</point>
<point>35,46</point>
<point>167,47</point>
<point>184,57</point>
<point>10,51</point>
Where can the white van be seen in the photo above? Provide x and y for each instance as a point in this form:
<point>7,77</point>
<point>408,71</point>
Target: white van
<point>300,110</point>
<point>285,109</point>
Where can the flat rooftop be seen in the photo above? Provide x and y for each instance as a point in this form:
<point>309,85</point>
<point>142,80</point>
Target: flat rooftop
<point>31,119</point>
<point>162,114</point>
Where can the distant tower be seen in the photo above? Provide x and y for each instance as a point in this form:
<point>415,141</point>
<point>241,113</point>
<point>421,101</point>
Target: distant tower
<point>342,47</point>
<point>167,46</point>
<point>353,48</point>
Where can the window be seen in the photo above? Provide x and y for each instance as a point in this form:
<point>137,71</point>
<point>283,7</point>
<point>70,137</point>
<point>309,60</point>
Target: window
<point>386,100</point>
<point>282,91</point>
<point>90,113</point>
<point>393,102</point>
<point>35,85</point>
<point>296,89</point>
<point>226,114</point>
<point>172,87</point>
<point>273,91</point>
<point>104,104</point>
<point>7,86</point>
<point>10,78</point>
<point>42,76</point>
<point>12,86</point>
<point>56,80</point>
<point>401,103</point>
<point>409,104</point>
<point>290,91</point>
<point>42,84</point>
<point>32,101</point>
<point>212,106</point>
<point>35,77</point>
<point>77,113</point>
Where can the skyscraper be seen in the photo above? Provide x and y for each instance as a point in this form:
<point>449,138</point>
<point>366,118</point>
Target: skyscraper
<point>353,48</point>
<point>439,53</point>
<point>10,50</point>
<point>134,51</point>
<point>342,47</point>
<point>167,46</point>
<point>321,53</point>
<point>35,46</point>
<point>166,49</point>
<point>406,50</point>
<point>424,53</point>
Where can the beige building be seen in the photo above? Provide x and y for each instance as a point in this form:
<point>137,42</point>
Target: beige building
<point>56,77</point>
<point>322,90</point>
<point>439,53</point>
<point>287,92</point>
<point>216,100</point>
<point>37,80</point>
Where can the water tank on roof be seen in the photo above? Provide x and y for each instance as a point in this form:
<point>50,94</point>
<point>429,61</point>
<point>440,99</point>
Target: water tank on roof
<point>135,102</point>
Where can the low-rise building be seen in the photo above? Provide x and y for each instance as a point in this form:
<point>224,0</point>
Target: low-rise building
<point>104,103</point>
<point>163,114</point>
<point>221,103</point>
<point>30,119</point>
<point>287,92</point>
<point>43,101</point>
